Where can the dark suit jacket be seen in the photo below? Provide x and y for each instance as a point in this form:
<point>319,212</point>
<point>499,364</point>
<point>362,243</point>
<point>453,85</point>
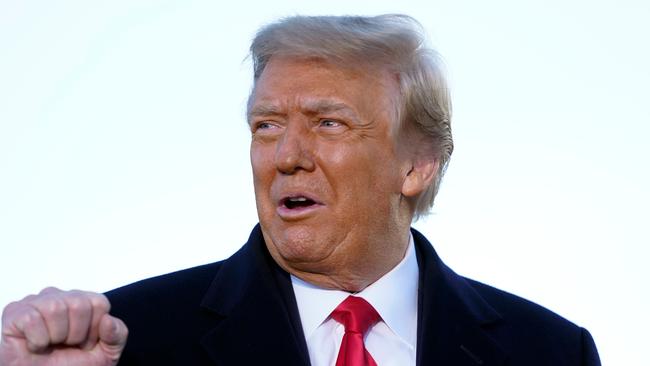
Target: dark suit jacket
<point>242,311</point>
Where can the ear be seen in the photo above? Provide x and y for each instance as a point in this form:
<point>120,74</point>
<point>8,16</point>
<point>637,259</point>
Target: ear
<point>419,178</point>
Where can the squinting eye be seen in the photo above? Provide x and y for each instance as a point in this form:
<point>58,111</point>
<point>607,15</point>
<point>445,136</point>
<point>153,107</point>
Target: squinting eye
<point>329,123</point>
<point>263,126</point>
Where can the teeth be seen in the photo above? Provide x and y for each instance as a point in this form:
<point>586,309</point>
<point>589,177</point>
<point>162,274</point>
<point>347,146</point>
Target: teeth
<point>298,199</point>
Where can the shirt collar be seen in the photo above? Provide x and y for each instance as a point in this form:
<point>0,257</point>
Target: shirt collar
<point>394,296</point>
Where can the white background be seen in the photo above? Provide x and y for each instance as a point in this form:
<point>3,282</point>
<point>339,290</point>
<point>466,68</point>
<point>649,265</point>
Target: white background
<point>124,148</point>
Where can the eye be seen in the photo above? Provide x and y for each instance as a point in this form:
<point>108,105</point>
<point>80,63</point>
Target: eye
<point>330,123</point>
<point>263,125</point>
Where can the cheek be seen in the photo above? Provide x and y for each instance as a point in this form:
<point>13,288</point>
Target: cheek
<point>377,181</point>
<point>360,176</point>
<point>261,162</point>
<point>263,170</point>
<point>342,167</point>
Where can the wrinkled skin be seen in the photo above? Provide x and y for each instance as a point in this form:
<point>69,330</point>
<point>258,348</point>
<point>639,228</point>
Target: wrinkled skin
<point>61,328</point>
<point>329,133</point>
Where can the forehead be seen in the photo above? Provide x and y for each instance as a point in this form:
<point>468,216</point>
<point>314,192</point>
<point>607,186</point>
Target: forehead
<point>316,84</point>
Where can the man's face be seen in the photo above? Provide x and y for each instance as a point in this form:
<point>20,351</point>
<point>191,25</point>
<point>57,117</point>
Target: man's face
<point>328,177</point>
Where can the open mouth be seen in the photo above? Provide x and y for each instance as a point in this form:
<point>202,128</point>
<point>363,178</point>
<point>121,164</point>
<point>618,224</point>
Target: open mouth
<point>297,202</point>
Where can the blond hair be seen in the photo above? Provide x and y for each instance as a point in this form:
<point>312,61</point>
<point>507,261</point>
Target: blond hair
<point>395,42</point>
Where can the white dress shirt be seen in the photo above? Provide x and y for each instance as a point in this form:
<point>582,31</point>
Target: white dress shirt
<point>391,341</point>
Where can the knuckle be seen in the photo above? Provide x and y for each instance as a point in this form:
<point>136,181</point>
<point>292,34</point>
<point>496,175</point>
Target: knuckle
<point>11,307</point>
<point>52,306</point>
<point>9,313</point>
<point>29,298</point>
<point>49,305</point>
<point>50,290</point>
<point>77,304</point>
<point>16,310</point>
<point>99,302</point>
<point>30,319</point>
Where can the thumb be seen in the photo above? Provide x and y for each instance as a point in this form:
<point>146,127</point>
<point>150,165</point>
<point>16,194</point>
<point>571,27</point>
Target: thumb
<point>112,335</point>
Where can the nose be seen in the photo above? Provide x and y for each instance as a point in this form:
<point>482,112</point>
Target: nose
<point>293,151</point>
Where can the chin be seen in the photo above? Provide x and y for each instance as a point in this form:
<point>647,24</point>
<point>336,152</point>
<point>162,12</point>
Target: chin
<point>299,244</point>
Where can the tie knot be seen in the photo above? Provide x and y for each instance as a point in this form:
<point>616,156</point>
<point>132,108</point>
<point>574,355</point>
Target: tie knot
<point>356,315</point>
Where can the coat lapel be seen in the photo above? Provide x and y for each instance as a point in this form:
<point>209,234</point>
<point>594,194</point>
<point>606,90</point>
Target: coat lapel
<point>260,322</point>
<point>453,320</point>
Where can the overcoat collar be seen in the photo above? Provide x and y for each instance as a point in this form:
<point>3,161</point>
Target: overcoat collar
<point>453,319</point>
<point>261,324</point>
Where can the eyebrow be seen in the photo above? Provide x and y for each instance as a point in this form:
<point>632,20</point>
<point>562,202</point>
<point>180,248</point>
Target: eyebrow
<point>326,106</point>
<point>310,106</point>
<point>264,110</point>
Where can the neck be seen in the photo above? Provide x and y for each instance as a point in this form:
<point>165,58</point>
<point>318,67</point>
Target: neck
<point>357,272</point>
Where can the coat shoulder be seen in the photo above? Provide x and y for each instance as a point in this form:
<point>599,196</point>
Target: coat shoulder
<point>165,317</point>
<point>178,287</point>
<point>526,324</point>
<point>516,308</point>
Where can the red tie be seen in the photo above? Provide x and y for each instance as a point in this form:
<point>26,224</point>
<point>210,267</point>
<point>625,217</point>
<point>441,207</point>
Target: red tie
<point>357,316</point>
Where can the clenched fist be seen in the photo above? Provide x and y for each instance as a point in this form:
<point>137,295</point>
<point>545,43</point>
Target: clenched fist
<point>61,328</point>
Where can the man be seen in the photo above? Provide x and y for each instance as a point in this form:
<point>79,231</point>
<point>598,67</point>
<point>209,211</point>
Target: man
<point>350,122</point>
